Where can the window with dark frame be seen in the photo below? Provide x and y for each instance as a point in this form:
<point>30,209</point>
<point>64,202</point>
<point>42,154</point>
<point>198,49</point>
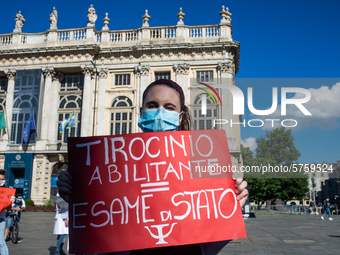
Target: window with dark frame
<point>121,116</point>
<point>204,76</point>
<point>3,86</point>
<point>200,121</point>
<point>162,75</point>
<point>25,101</point>
<point>122,79</point>
<point>74,83</point>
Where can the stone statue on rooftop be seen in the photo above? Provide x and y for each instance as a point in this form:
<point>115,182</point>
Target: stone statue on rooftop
<point>19,22</point>
<point>53,19</point>
<point>91,16</point>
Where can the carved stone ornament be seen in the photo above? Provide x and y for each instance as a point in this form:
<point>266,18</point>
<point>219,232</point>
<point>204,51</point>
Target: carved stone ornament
<point>61,157</point>
<point>19,22</point>
<point>106,21</point>
<point>142,70</point>
<point>10,74</point>
<point>182,68</point>
<point>58,76</point>
<point>146,17</point>
<point>38,177</point>
<point>53,19</point>
<point>87,70</point>
<point>228,67</point>
<point>103,73</point>
<point>49,72</point>
<point>91,16</point>
<point>225,14</point>
<point>180,16</point>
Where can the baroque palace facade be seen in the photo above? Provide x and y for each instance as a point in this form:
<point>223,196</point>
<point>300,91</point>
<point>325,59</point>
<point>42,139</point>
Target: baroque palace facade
<point>101,75</point>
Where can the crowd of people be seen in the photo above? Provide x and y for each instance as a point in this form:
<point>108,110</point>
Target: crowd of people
<point>14,210</point>
<point>8,214</point>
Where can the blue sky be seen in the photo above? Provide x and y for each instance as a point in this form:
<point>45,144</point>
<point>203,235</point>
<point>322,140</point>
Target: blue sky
<point>279,39</point>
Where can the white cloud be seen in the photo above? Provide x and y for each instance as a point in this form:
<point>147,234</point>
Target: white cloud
<point>324,106</point>
<point>250,142</point>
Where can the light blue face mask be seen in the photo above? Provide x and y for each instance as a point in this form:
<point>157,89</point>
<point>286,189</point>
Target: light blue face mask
<point>156,120</point>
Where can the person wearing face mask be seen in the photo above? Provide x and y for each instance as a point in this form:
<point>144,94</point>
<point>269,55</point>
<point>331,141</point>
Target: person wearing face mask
<point>163,109</point>
<point>3,245</point>
<point>17,207</point>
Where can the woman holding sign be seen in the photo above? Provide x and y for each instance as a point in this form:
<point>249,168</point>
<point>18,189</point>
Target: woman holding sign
<point>163,109</point>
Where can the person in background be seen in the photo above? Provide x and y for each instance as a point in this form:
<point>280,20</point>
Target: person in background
<point>163,109</point>
<point>319,208</point>
<point>326,206</point>
<point>3,245</point>
<point>16,208</point>
<point>60,229</point>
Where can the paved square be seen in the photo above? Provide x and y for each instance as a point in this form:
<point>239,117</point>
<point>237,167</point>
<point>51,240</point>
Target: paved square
<point>288,234</point>
<point>267,234</point>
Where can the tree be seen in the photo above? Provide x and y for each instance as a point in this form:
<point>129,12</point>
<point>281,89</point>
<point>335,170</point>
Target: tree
<point>260,189</point>
<point>279,146</point>
<point>247,156</point>
<point>275,149</point>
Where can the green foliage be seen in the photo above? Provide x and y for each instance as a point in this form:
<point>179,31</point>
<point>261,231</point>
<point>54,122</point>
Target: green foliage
<point>293,188</point>
<point>49,203</point>
<point>278,145</point>
<point>247,156</point>
<point>277,148</point>
<point>262,189</point>
<point>29,202</point>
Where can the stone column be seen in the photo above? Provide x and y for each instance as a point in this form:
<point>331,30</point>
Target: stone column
<point>40,179</point>
<point>226,72</point>
<point>86,112</point>
<point>101,101</point>
<point>142,81</point>
<point>53,129</point>
<point>182,78</point>
<point>48,72</point>
<point>9,101</point>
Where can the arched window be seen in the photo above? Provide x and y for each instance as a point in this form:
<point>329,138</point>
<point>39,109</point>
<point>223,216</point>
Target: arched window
<point>121,116</point>
<point>204,121</point>
<point>67,104</point>
<point>23,106</point>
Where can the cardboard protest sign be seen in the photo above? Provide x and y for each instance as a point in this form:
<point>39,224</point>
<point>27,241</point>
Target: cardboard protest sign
<point>5,197</point>
<point>150,190</point>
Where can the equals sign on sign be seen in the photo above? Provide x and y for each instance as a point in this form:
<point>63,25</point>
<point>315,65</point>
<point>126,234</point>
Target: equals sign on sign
<point>154,187</point>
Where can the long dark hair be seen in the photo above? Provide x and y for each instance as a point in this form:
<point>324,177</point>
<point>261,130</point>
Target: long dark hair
<point>186,120</point>
<point>3,172</point>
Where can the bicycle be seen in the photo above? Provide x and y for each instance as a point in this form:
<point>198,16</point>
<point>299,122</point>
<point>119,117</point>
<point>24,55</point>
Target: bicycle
<point>13,233</point>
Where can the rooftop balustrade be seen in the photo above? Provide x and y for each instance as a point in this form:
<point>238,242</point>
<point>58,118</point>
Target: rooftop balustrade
<point>63,37</point>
